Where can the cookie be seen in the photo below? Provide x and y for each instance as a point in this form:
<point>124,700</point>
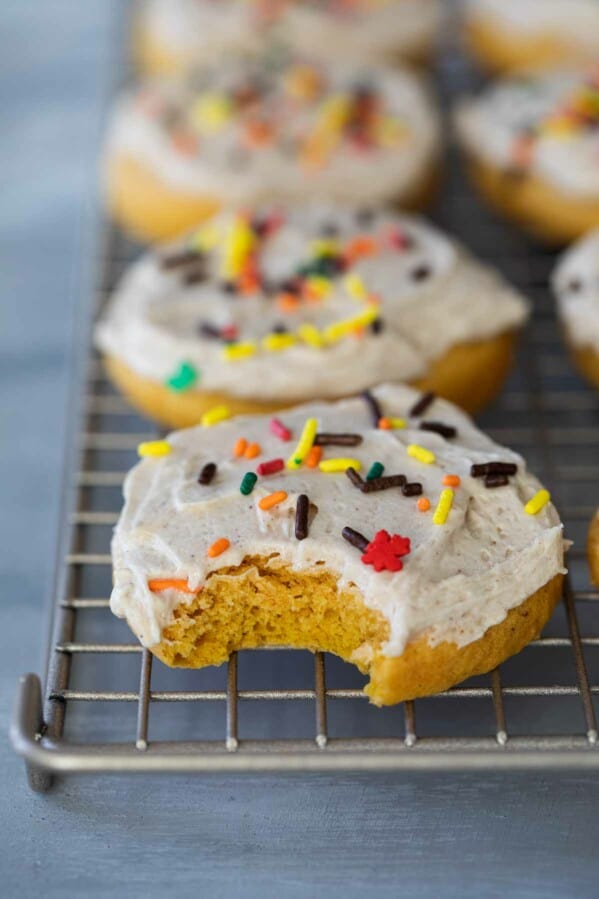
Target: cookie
<point>575,284</point>
<point>520,35</point>
<point>268,129</point>
<point>533,148</point>
<point>173,36</point>
<point>260,312</point>
<point>385,529</point>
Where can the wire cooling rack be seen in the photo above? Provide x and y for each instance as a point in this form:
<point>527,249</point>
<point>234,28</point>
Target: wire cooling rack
<point>106,706</point>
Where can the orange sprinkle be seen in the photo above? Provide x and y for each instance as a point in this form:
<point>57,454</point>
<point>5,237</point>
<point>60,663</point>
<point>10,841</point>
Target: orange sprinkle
<point>287,302</point>
<point>424,504</point>
<point>218,547</point>
<point>240,447</point>
<point>184,142</point>
<point>170,583</point>
<point>257,133</point>
<point>385,424</point>
<point>359,248</point>
<point>452,480</point>
<point>272,500</point>
<point>252,450</point>
<point>313,457</point>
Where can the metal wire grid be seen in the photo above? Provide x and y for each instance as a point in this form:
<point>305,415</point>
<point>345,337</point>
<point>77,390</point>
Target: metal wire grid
<point>546,413</point>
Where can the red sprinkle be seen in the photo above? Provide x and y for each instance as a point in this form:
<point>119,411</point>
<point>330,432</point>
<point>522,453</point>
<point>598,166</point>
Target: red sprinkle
<point>270,467</point>
<point>385,550</point>
<point>279,430</point>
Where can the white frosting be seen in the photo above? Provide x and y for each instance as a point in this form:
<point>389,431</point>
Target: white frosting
<point>202,30</point>
<point>223,168</point>
<point>570,21</point>
<point>576,285</point>
<point>152,322</point>
<point>490,125</point>
<point>459,579</point>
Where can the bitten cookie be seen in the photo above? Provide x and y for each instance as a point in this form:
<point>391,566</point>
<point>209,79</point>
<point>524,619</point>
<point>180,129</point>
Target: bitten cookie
<point>533,148</point>
<point>268,130</point>
<point>511,35</point>
<point>385,529</point>
<point>576,285</point>
<point>175,35</point>
<point>259,312</point>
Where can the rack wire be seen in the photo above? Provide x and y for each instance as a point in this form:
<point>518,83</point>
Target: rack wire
<point>107,707</point>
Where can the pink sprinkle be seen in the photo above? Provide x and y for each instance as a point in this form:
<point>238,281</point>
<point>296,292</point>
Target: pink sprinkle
<point>229,332</point>
<point>270,467</point>
<point>279,430</point>
<point>398,239</point>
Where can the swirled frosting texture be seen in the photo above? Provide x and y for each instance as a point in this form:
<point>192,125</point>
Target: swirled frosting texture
<point>358,29</point>
<point>458,579</point>
<point>417,293</point>
<point>544,125</point>
<point>276,129</point>
<point>576,285</point>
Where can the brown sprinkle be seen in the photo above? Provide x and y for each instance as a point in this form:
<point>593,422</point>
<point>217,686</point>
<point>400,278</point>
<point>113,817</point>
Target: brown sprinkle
<point>328,439</point>
<point>355,538</point>
<point>484,468</point>
<point>437,427</point>
<point>413,489</point>
<point>496,480</point>
<point>375,410</point>
<point>384,483</point>
<point>301,516</point>
<point>422,404</point>
<point>354,477</point>
<point>207,473</point>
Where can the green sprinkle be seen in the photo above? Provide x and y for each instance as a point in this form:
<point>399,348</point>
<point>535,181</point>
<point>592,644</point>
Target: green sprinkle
<point>184,378</point>
<point>376,470</point>
<point>248,483</point>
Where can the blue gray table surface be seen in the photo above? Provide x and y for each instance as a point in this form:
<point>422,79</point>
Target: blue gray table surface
<point>531,835</point>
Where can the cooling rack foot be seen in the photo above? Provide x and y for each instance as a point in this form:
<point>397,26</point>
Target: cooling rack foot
<point>27,729</point>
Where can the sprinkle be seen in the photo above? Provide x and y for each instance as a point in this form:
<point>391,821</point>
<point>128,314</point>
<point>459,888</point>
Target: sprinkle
<point>485,468</point>
<point>341,329</point>
<point>538,502</point>
<point>391,424</point>
<point>274,343</point>
<point>356,479</point>
<point>373,407</point>
<point>355,538</point>
<point>252,450</point>
<point>333,466</point>
<point>240,447</point>
<point>184,378</point>
<point>496,480</point>
<point>355,287</point>
<point>301,516</point>
<point>154,448</point>
<point>376,470</point>
<point>195,275</point>
<point>219,547</point>
<point>214,416</point>
<point>314,456</point>
<point>384,552</point>
<point>207,330</point>
<point>157,584</point>
<point>279,430</point>
<point>179,258</point>
<point>451,480</point>
<point>424,504</point>
<point>420,453</point>
<point>248,483</point>
<point>359,248</point>
<point>394,480</point>
<point>212,112</point>
<point>311,335</point>
<point>437,427</point>
<point>443,506</point>
<point>421,273</point>
<point>237,351</point>
<point>412,489</point>
<point>422,404</point>
<point>304,444</point>
<point>207,473</point>
<point>329,439</point>
<point>271,467</point>
<point>272,500</point>
<point>206,238</point>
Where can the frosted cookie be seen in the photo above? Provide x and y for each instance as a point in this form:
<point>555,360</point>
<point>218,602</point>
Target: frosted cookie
<point>175,35</point>
<point>385,529</point>
<point>576,286</point>
<point>593,549</point>
<point>259,312</point>
<point>510,35</point>
<point>268,130</point>
<point>533,149</point>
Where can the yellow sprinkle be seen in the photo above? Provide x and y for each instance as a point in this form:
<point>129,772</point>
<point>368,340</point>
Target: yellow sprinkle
<point>324,247</point>
<point>239,243</point>
<point>390,132</point>
<point>319,285</point>
<point>421,453</point>
<point>311,335</point>
<point>304,444</point>
<point>274,343</point>
<point>355,287</point>
<point>154,448</point>
<point>397,423</point>
<point>443,506</point>
<point>213,416</point>
<point>212,112</point>
<point>332,466</point>
<point>205,238</point>
<point>335,112</point>
<point>236,351</point>
<point>341,329</point>
<point>538,502</point>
